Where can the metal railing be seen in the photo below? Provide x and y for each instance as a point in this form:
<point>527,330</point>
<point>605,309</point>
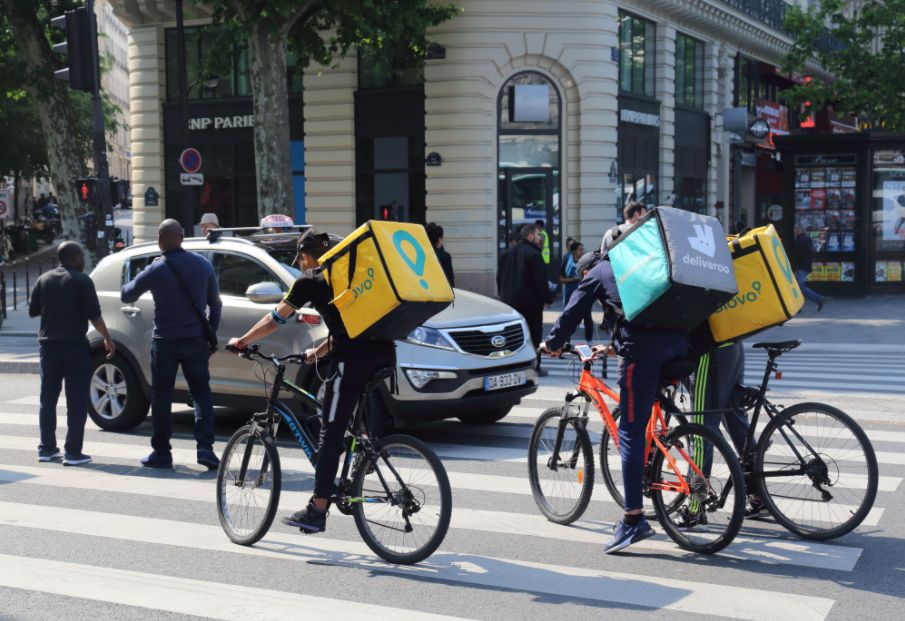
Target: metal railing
<point>773,14</point>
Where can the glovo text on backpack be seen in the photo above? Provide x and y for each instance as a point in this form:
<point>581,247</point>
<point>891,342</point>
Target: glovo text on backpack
<point>768,294</point>
<point>386,280</point>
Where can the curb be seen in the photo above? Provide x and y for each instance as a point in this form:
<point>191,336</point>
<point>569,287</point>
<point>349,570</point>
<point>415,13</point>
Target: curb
<point>20,367</point>
<point>32,334</point>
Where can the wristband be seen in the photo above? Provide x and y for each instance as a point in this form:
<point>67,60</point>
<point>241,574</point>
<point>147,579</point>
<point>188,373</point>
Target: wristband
<point>275,316</point>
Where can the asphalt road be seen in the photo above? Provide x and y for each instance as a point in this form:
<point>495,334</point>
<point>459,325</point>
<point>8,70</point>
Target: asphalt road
<point>112,540</point>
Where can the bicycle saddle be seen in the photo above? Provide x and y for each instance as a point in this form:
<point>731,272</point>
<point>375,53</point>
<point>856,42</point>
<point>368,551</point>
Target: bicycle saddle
<point>778,347</point>
<point>377,378</point>
<point>676,370</point>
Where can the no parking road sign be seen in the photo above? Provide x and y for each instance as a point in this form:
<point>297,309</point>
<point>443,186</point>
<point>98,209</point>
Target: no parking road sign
<point>190,160</point>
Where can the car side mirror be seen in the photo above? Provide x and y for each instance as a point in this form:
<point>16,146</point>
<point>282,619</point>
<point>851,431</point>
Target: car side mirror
<point>264,293</point>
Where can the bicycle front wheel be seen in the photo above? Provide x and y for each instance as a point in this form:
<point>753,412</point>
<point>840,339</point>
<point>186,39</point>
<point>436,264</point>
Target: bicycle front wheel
<point>706,517</point>
<point>816,470</point>
<point>248,486</point>
<point>402,502</point>
<point>561,488</point>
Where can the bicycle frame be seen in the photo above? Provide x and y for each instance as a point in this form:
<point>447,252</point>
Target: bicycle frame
<point>278,410</point>
<point>594,390</point>
<point>761,402</point>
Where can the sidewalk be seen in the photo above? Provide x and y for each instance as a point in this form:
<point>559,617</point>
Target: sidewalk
<point>870,323</point>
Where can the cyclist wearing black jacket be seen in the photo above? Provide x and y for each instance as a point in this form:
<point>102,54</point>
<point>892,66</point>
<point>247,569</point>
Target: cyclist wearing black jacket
<point>352,363</point>
<point>643,352</point>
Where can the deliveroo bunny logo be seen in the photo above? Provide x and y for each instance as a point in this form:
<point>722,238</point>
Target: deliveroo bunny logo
<point>703,240</point>
<point>783,262</point>
<point>417,265</point>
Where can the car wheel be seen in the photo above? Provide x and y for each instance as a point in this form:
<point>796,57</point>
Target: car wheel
<point>486,417</point>
<point>116,402</point>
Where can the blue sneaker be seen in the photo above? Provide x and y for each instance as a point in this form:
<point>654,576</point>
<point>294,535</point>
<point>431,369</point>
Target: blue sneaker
<point>624,536</point>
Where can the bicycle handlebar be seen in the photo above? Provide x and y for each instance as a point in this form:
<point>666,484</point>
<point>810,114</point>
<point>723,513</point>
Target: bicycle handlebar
<point>252,351</point>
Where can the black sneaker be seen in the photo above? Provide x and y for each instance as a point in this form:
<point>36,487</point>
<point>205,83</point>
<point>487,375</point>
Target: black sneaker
<point>49,454</point>
<point>76,460</point>
<point>207,458</point>
<point>156,460</point>
<point>309,520</point>
<point>820,305</point>
<point>756,508</point>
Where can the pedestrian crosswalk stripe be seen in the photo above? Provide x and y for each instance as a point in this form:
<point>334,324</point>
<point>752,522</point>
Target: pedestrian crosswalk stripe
<point>523,576</point>
<point>498,522</point>
<point>187,596</point>
<point>458,480</point>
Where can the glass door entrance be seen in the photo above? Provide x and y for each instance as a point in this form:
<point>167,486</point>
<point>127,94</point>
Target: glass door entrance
<point>527,195</point>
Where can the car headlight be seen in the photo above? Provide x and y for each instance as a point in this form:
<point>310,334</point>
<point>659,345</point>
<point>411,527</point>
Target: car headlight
<point>420,377</point>
<point>429,337</point>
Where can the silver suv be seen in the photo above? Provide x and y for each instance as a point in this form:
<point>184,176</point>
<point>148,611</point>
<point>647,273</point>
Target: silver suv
<point>473,361</point>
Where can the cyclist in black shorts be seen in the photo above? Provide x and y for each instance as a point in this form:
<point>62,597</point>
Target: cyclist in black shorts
<point>352,363</point>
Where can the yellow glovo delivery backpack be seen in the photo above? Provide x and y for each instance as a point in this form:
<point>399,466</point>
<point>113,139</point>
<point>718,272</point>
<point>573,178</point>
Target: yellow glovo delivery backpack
<point>386,280</point>
<point>768,293</point>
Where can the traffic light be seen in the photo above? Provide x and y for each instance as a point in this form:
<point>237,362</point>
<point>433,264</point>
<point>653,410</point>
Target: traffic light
<point>807,113</point>
<point>87,190</point>
<point>392,212</point>
<point>77,48</point>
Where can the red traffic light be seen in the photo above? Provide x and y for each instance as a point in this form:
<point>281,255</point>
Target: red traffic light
<point>87,189</point>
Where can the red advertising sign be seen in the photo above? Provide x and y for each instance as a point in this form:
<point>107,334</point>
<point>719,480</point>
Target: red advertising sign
<point>775,115</point>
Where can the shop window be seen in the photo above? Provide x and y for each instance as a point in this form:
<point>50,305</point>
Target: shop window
<point>211,73</point>
<point>689,71</point>
<point>401,70</point>
<point>236,273</point>
<point>690,194</point>
<point>529,155</point>
<point>889,215</point>
<point>636,54</point>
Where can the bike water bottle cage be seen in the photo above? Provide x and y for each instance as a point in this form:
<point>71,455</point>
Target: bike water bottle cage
<point>276,318</point>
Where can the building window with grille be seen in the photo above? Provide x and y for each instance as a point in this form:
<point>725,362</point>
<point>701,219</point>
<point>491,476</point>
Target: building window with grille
<point>689,71</point>
<point>636,55</point>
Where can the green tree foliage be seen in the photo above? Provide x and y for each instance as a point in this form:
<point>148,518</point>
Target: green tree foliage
<point>311,31</point>
<point>868,61</point>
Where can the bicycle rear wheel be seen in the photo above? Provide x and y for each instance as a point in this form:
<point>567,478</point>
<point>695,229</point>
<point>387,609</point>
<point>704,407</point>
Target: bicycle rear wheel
<point>405,520</point>
<point>611,461</point>
<point>562,490</point>
<point>831,488</point>
<point>708,518</point>
<point>247,501</point>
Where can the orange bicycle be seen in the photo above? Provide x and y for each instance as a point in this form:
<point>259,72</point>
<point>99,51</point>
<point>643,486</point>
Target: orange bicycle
<point>692,475</point>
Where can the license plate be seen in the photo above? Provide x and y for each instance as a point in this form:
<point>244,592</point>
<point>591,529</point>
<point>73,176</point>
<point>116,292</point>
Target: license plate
<point>496,382</point>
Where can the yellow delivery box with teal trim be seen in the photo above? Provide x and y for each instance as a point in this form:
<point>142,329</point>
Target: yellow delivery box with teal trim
<point>768,293</point>
<point>386,280</point>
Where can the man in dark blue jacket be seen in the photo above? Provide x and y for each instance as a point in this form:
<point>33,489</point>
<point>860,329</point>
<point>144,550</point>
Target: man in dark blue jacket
<point>643,353</point>
<point>179,339</point>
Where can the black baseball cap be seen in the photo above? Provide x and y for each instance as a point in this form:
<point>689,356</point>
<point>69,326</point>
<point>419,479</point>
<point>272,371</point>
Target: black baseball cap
<point>587,261</point>
<point>313,242</point>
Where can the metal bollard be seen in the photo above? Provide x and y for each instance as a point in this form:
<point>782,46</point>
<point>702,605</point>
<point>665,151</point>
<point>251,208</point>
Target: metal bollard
<point>27,282</point>
<point>15,291</point>
<point>3,292</point>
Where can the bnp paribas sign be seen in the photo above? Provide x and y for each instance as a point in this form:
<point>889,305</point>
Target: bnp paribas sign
<point>238,121</point>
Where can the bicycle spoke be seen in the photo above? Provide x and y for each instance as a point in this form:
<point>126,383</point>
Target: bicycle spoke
<point>832,472</point>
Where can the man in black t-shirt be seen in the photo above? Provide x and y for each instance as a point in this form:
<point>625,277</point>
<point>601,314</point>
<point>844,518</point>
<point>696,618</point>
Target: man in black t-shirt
<point>66,301</point>
<point>352,363</point>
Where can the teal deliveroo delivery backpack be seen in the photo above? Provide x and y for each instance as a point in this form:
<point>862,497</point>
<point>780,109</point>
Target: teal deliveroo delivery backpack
<point>673,269</point>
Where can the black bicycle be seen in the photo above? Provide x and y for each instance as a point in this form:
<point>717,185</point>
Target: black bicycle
<point>811,465</point>
<point>395,487</point>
